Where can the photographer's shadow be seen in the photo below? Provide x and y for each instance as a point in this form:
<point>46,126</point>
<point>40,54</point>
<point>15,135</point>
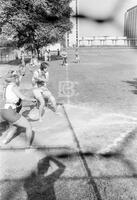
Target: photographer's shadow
<point>39,185</point>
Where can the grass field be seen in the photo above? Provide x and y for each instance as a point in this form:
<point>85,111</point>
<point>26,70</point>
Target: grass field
<point>104,77</point>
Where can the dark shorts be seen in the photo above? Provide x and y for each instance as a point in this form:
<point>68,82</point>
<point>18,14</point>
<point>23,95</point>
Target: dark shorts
<point>19,106</point>
<point>10,115</point>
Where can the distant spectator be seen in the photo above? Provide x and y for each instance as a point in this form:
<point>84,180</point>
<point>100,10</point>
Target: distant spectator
<point>46,56</point>
<point>58,52</point>
<point>77,58</point>
<point>34,63</point>
<point>22,58</point>
<point>64,57</point>
<point>21,71</point>
<point>49,55</point>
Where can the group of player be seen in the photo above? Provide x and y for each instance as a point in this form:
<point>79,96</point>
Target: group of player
<point>13,98</point>
<point>65,57</point>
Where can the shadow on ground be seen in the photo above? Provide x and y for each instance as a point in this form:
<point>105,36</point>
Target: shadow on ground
<point>134,84</point>
<point>39,185</point>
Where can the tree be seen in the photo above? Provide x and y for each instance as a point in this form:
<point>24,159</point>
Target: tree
<point>35,23</point>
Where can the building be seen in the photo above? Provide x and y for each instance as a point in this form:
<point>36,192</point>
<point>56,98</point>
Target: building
<point>129,39</point>
<point>130,26</point>
<point>103,41</point>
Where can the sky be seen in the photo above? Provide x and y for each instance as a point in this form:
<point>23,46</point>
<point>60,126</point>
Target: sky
<point>99,9</point>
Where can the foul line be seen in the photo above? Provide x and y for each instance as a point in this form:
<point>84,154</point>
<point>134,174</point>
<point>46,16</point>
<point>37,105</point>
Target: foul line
<point>81,155</point>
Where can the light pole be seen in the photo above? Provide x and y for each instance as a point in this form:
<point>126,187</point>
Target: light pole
<point>76,22</point>
<point>77,25</point>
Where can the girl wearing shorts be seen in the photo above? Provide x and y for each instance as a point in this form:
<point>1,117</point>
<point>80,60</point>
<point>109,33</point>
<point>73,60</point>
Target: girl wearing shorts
<point>10,114</point>
<point>40,91</point>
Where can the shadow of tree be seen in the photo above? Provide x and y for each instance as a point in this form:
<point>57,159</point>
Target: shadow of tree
<point>40,186</point>
<point>134,84</point>
<point>120,157</point>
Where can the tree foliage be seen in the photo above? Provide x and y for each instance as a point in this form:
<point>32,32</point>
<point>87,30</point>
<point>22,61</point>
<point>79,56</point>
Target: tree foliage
<point>35,23</point>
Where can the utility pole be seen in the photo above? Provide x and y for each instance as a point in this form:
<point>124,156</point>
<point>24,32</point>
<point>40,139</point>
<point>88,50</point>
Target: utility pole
<point>77,25</point>
<point>76,22</point>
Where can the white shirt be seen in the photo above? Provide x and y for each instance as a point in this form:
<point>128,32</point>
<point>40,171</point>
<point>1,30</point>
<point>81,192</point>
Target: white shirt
<point>38,74</point>
<point>46,56</point>
<point>10,96</point>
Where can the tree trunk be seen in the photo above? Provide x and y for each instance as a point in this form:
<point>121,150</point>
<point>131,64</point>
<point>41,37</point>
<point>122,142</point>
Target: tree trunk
<point>38,53</point>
